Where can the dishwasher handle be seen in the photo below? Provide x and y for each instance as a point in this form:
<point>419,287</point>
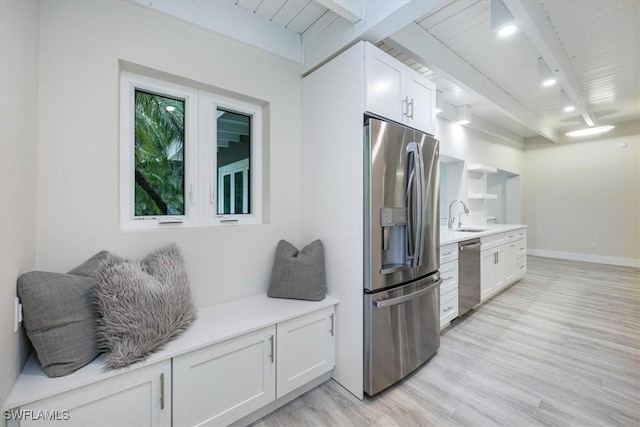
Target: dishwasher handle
<point>470,246</point>
<point>405,298</point>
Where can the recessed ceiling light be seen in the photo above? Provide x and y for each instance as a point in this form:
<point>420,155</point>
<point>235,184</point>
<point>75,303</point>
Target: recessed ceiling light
<point>463,115</point>
<point>590,131</point>
<point>439,102</point>
<point>545,75</point>
<point>170,108</point>
<point>567,105</point>
<point>507,30</point>
<point>502,21</point>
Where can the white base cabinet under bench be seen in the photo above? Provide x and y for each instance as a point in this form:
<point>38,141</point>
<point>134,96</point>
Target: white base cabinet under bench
<point>237,362</point>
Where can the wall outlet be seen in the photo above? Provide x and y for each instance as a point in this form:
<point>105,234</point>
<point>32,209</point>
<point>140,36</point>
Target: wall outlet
<point>17,309</point>
<point>593,245</point>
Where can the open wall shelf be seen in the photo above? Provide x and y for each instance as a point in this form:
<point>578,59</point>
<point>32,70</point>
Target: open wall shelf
<point>485,196</point>
<point>478,167</point>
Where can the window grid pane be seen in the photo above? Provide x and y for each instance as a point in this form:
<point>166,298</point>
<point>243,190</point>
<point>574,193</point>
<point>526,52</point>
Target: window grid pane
<point>159,155</point>
<point>233,160</point>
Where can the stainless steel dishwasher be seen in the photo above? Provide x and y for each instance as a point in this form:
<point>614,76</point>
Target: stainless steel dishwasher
<point>469,275</point>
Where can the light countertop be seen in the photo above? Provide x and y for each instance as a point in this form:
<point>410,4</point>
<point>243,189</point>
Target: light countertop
<point>452,236</point>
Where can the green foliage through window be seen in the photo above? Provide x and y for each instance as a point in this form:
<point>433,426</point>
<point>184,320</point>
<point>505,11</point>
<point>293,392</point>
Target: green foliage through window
<point>159,155</point>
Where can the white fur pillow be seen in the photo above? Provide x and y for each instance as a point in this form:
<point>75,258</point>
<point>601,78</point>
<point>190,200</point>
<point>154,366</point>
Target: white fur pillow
<point>141,305</point>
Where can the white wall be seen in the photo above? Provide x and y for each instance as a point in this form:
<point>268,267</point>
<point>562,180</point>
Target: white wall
<point>81,45</point>
<point>18,138</point>
<point>472,146</point>
<point>467,144</point>
<point>583,193</point>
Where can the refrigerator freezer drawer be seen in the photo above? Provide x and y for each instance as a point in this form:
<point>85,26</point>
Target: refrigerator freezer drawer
<point>402,331</point>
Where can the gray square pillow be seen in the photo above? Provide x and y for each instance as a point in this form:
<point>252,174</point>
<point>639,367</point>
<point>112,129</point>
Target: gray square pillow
<point>298,274</point>
<point>90,267</point>
<point>59,319</point>
<point>142,305</point>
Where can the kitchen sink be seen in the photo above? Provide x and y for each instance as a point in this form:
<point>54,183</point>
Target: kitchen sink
<point>468,230</point>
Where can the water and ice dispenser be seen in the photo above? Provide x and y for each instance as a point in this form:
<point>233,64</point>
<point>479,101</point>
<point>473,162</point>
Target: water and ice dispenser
<point>393,222</point>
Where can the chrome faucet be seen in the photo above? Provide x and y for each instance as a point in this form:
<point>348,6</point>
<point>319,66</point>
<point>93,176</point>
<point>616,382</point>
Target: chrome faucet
<point>452,218</point>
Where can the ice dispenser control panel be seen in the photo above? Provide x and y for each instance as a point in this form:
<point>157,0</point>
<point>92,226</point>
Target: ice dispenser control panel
<point>390,217</point>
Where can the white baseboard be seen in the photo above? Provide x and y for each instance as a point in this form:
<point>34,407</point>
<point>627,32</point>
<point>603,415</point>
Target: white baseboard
<point>573,256</point>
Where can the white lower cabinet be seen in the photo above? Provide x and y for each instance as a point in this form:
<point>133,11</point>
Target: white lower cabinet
<point>138,398</point>
<point>449,298</point>
<point>448,293</point>
<point>235,361</point>
<point>305,349</point>
<point>491,271</point>
<point>510,260</point>
<point>503,262</point>
<point>224,382</point>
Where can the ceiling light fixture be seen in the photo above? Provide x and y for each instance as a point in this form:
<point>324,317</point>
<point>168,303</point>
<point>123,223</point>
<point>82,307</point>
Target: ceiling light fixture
<point>567,105</point>
<point>590,131</point>
<point>439,102</point>
<point>545,75</point>
<point>502,21</point>
<point>463,115</point>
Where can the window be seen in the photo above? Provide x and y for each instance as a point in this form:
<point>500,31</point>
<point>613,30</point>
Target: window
<point>188,157</point>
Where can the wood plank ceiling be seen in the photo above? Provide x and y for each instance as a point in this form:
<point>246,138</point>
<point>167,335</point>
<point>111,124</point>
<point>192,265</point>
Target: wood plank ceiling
<point>600,39</point>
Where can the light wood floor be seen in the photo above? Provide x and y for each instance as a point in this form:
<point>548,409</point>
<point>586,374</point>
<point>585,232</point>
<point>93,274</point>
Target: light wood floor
<point>559,348</point>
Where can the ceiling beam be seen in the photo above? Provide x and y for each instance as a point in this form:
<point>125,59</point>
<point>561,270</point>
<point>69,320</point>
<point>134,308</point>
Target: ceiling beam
<point>382,18</point>
<point>225,18</point>
<point>484,126</point>
<point>351,10</point>
<point>533,19</point>
<point>431,52</point>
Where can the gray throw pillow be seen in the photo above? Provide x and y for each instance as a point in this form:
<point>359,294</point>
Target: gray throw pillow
<point>142,305</point>
<point>90,267</point>
<point>59,319</point>
<point>298,274</point>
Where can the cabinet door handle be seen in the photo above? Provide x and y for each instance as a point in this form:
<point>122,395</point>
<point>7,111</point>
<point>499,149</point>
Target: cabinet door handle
<point>162,391</point>
<point>411,104</point>
<point>447,278</point>
<point>332,325</point>
<point>448,309</point>
<point>405,106</point>
<point>448,253</point>
<point>271,344</point>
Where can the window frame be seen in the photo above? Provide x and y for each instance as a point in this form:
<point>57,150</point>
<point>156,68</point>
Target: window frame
<point>200,156</point>
<point>209,104</point>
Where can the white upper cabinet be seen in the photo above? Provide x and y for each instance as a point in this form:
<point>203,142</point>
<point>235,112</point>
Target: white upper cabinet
<point>397,92</point>
<point>384,84</point>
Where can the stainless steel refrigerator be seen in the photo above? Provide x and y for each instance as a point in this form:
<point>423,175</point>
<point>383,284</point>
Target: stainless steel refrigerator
<point>402,282</point>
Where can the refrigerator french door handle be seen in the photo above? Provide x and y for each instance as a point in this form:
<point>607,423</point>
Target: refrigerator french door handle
<point>417,202</point>
<point>410,173</point>
<point>405,298</point>
<point>422,203</point>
